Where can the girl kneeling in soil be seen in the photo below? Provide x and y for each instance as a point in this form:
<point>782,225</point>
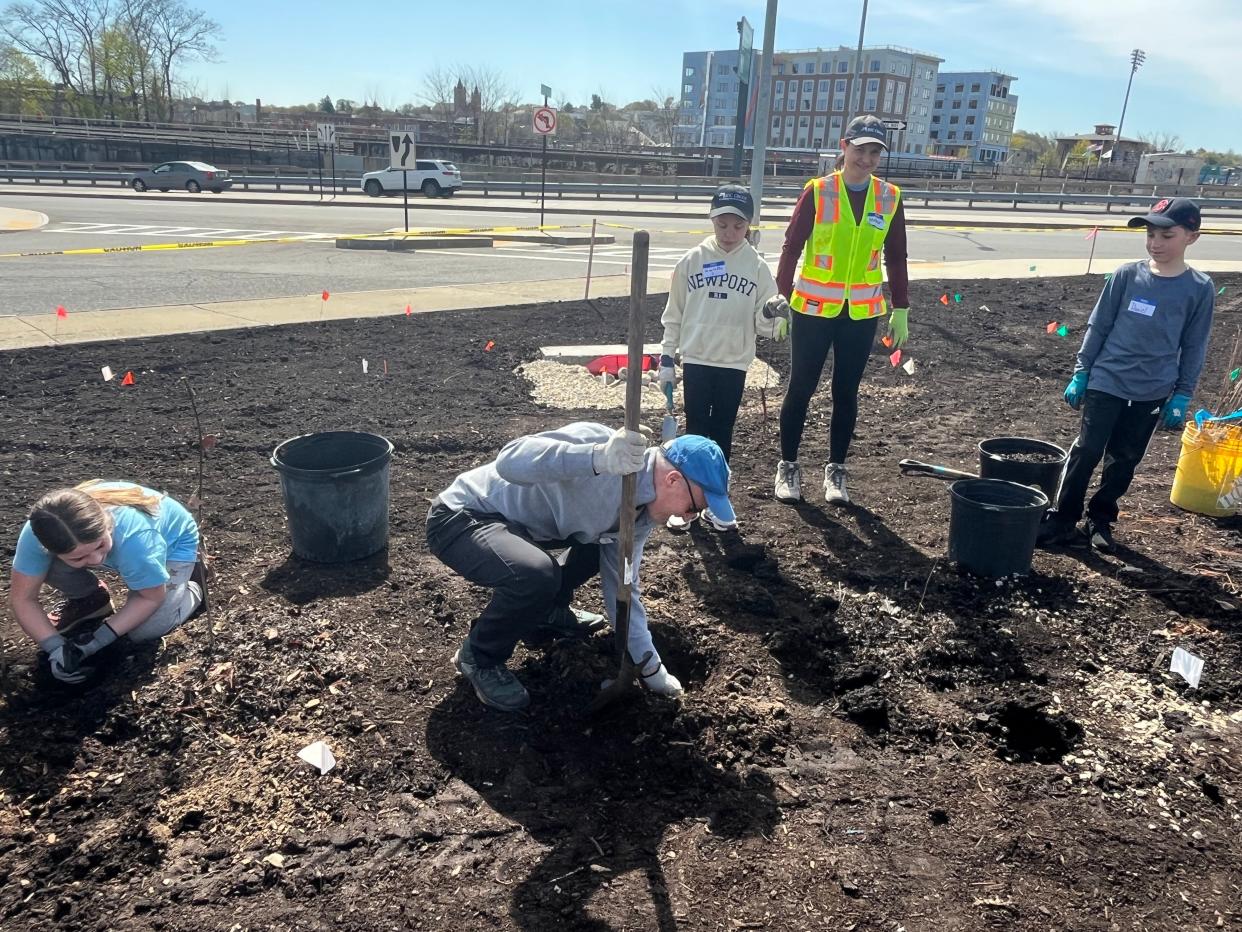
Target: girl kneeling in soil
<point>722,294</point>
<point>148,538</point>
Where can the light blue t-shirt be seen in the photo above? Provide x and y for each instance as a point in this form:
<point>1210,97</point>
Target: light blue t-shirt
<point>142,546</point>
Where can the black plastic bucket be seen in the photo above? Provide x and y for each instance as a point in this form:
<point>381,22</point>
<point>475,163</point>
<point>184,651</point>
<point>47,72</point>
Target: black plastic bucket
<point>1003,458</point>
<point>335,486</point>
<point>992,525</point>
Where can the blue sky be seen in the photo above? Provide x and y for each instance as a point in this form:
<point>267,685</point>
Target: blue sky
<point>1071,57</point>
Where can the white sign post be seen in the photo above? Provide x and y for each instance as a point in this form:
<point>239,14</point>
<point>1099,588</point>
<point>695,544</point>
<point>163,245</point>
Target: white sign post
<point>325,134</point>
<point>401,157</point>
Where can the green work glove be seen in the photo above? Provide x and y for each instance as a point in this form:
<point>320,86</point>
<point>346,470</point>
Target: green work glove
<point>899,326</point>
<point>1076,389</point>
<point>1173,417</point>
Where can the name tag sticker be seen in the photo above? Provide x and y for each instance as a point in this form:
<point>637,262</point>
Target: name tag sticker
<point>876,220</point>
<point>1139,306</point>
<point>711,269</point>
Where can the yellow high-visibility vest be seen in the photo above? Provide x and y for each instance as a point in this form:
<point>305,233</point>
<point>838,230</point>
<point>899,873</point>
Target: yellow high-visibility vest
<point>841,261</point>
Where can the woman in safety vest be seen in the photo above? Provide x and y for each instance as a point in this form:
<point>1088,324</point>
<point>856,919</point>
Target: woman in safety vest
<point>840,225</point>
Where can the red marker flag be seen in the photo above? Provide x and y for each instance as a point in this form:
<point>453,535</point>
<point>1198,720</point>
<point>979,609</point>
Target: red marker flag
<point>129,379</point>
<point>408,312</point>
<point>1091,235</point>
<point>60,311</point>
<point>1051,328</point>
<point>944,299</point>
<point>488,348</point>
<point>326,296</point>
<point>895,359</point>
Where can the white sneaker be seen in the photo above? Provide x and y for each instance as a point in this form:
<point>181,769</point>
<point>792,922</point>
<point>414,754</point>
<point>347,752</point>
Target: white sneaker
<point>788,482</point>
<point>834,484</point>
<point>677,523</point>
<point>709,516</point>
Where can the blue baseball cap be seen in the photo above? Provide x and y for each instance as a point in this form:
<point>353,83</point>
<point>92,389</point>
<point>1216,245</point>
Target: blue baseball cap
<point>701,461</point>
<point>732,199</point>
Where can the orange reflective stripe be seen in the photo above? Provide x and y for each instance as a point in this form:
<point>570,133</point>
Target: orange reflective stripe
<point>823,262</point>
<point>875,261</point>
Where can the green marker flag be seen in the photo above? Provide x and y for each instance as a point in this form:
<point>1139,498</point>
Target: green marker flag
<point>1063,331</point>
<point>1222,290</point>
<point>957,298</point>
<point>1233,376</point>
<point>1031,269</point>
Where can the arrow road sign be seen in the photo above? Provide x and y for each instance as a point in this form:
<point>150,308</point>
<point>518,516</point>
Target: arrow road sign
<point>326,133</point>
<point>894,124</point>
<point>545,121</point>
<point>400,150</point>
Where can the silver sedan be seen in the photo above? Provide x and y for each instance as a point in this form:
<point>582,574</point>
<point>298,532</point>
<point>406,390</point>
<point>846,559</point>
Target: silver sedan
<point>188,176</point>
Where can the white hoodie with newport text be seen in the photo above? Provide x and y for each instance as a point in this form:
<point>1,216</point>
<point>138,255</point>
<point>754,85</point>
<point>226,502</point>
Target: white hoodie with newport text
<point>715,306</point>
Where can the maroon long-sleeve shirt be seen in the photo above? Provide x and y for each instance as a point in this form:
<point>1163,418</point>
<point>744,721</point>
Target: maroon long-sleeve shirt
<point>803,222</point>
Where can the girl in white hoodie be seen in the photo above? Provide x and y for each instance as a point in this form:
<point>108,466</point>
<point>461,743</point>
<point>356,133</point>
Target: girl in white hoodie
<point>721,296</point>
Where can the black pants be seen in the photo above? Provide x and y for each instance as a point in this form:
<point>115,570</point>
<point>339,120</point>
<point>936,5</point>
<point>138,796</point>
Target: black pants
<point>527,582</point>
<point>1116,431</point>
<point>713,394</point>
<point>810,339</point>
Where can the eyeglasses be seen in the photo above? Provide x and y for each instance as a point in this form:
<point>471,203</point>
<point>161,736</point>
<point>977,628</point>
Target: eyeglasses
<point>694,511</point>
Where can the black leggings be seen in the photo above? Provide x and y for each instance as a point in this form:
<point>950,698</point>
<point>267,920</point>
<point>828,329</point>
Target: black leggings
<point>810,337</point>
<point>712,396</point>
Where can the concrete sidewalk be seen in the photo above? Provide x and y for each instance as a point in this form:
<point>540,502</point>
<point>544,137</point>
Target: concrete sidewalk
<point>131,323</point>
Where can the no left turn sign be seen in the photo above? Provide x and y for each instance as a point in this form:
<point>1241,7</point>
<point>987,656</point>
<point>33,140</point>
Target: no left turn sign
<point>545,121</point>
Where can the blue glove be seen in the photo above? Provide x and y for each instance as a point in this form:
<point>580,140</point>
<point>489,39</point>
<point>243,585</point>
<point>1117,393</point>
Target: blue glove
<point>1175,410</point>
<point>1076,389</point>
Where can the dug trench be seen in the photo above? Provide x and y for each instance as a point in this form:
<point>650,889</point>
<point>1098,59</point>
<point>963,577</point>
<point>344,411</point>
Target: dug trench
<point>870,738</point>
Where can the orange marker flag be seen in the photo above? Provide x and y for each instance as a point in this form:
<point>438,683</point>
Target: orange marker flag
<point>60,311</point>
<point>886,340</point>
<point>326,295</point>
<point>1051,328</point>
<point>944,299</point>
<point>488,348</point>
<point>895,359</point>
<point>408,311</point>
<point>129,379</point>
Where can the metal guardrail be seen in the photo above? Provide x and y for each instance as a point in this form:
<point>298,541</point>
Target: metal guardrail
<point>312,181</point>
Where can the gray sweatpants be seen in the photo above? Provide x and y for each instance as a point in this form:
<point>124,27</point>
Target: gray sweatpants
<point>180,601</point>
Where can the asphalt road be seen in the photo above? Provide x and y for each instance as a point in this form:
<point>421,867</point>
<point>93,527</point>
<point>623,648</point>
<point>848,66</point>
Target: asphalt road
<point>33,285</point>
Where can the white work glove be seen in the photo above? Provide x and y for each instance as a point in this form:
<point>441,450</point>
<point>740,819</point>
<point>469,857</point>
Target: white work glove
<point>65,659</point>
<point>662,683</point>
<point>668,374</point>
<point>621,454</point>
<point>776,306</point>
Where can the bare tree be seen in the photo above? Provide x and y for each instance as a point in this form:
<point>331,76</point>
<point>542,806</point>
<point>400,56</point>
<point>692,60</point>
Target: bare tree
<point>437,91</point>
<point>179,34</point>
<point>665,119</point>
<point>1162,142</point>
<point>494,91</point>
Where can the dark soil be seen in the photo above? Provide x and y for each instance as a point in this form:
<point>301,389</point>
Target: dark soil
<point>1031,457</point>
<point>870,739</point>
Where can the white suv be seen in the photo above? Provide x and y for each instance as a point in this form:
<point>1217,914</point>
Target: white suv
<point>435,178</point>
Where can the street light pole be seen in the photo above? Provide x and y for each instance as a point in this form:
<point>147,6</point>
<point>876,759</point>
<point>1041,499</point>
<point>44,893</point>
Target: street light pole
<point>1137,57</point>
<point>856,99</point>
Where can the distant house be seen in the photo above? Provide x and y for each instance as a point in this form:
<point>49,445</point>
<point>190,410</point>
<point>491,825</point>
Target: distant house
<point>1113,156</point>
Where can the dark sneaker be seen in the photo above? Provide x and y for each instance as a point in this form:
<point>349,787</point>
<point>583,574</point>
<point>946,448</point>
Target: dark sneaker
<point>72,612</point>
<point>1101,536</point>
<point>1057,533</point>
<point>198,576</point>
<point>496,687</point>
<point>568,622</point>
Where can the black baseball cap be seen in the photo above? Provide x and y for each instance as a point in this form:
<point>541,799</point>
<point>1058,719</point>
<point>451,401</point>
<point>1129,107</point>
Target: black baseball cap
<point>864,129</point>
<point>733,199</point>
<point>1171,212</point>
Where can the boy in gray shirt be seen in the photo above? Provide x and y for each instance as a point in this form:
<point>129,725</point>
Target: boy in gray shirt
<point>1138,366</point>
